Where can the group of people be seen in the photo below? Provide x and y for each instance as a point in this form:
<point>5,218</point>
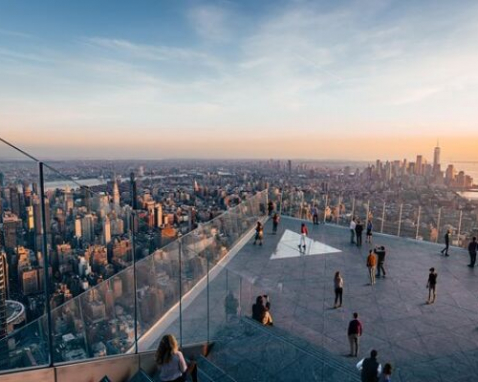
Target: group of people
<point>261,310</point>
<point>259,235</point>
<point>375,263</point>
<point>371,370</point>
<point>356,231</point>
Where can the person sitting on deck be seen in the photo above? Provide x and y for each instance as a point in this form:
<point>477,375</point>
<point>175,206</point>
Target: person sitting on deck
<point>261,310</point>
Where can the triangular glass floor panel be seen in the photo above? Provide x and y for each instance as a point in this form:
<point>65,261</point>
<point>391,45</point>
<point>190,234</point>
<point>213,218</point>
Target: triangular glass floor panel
<point>289,247</point>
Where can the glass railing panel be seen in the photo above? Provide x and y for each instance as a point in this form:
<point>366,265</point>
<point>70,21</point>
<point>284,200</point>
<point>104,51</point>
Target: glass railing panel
<point>120,313</point>
<point>69,332</point>
<point>243,221</point>
<point>192,241</point>
<point>225,304</point>
<point>26,347</point>
<point>96,318</point>
<point>468,227</point>
<point>22,261</point>
<point>333,207</point>
<point>376,214</point>
<point>346,210</point>
<point>427,224</point>
<point>230,226</point>
<point>391,218</point>
<point>194,318</point>
<point>101,321</point>
<point>164,291</point>
<point>150,298</point>
<point>274,200</point>
<point>450,220</point>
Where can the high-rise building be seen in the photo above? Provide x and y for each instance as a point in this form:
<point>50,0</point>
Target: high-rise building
<point>419,165</point>
<point>436,159</point>
<point>106,231</point>
<point>116,193</point>
<point>11,228</point>
<point>29,281</point>
<point>88,228</point>
<point>134,191</point>
<point>30,218</point>
<point>2,180</point>
<point>78,232</point>
<point>158,215</point>
<point>15,200</point>
<point>3,308</point>
<point>289,166</point>
<point>450,174</point>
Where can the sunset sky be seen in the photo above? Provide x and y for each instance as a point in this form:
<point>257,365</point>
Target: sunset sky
<point>358,79</point>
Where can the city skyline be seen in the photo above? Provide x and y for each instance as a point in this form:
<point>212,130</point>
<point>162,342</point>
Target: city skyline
<point>240,79</point>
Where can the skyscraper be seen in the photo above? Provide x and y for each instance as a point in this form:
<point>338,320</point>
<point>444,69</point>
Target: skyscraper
<point>134,192</point>
<point>419,165</point>
<point>116,194</point>
<point>3,308</point>
<point>3,293</point>
<point>106,231</point>
<point>436,159</point>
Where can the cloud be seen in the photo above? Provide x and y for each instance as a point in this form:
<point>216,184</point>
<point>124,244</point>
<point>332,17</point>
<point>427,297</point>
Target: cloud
<point>210,22</point>
<point>11,33</point>
<point>303,67</point>
<point>144,51</point>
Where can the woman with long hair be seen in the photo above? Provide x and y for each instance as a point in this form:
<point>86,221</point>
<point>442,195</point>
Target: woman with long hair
<point>338,288</point>
<point>259,233</point>
<point>386,373</point>
<point>171,362</point>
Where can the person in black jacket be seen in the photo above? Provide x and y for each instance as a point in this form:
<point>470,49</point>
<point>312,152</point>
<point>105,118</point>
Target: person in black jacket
<point>447,243</point>
<point>370,368</point>
<point>472,249</point>
<point>380,252</point>
<point>358,233</point>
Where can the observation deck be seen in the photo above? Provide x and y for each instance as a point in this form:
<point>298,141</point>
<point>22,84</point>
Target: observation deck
<point>187,296</point>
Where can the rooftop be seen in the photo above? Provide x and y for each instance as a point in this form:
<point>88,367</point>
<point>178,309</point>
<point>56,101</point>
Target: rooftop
<point>423,342</point>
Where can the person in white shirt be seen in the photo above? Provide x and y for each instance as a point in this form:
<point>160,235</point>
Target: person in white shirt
<point>352,231</point>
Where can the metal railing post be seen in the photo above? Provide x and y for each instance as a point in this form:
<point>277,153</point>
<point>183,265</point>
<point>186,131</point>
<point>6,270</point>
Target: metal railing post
<point>326,206</point>
<point>338,212</point>
<point>438,225</point>
<point>281,199</point>
<point>400,220</point>
<point>302,206</point>
<point>180,246</point>
<point>46,280</point>
<point>368,213</point>
<point>383,218</point>
<point>418,221</point>
<point>135,281</point>
<point>459,227</point>
<point>207,302</point>
<point>240,296</point>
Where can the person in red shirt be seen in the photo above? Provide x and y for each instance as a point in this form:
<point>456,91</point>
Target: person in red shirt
<point>303,235</point>
<point>354,333</point>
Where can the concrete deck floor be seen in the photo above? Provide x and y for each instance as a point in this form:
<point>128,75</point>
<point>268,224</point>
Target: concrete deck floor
<point>423,342</point>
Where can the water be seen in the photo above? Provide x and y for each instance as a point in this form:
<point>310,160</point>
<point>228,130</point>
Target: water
<point>62,184</point>
<point>470,195</point>
<point>470,168</point>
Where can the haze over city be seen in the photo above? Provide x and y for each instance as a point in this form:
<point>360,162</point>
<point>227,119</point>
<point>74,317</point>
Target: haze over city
<point>353,80</point>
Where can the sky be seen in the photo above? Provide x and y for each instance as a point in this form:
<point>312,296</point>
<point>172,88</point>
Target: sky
<point>338,79</point>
